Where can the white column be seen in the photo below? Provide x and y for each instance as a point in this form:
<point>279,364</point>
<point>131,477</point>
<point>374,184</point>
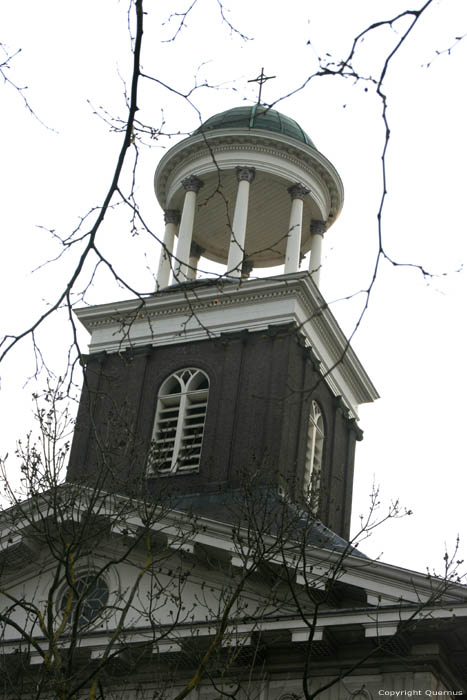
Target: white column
<point>237,240</point>
<point>195,253</point>
<point>172,219</point>
<point>294,235</point>
<point>317,229</point>
<point>192,186</point>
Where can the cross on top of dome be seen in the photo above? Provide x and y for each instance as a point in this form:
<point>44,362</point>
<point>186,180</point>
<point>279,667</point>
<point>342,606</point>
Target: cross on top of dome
<point>261,79</point>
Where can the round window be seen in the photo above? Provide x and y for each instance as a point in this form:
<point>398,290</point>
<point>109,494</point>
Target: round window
<point>86,598</point>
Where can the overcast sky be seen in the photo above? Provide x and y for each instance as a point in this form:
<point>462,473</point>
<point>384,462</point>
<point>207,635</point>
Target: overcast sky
<point>75,59</point>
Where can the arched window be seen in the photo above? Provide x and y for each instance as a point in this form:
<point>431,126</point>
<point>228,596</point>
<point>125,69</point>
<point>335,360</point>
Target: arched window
<point>314,456</point>
<point>86,600</point>
<point>179,426</point>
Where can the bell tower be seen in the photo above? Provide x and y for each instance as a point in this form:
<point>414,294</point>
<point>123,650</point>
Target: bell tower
<point>211,379</point>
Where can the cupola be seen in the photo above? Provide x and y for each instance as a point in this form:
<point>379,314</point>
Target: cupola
<point>247,189</point>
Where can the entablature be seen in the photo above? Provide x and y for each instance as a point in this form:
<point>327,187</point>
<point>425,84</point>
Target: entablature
<point>208,309</point>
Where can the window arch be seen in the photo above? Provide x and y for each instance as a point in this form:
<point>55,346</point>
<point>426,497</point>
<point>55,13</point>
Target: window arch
<point>85,601</point>
<point>314,456</point>
<point>179,426</point>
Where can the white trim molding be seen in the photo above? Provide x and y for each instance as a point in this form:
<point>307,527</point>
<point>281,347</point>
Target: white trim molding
<point>206,309</point>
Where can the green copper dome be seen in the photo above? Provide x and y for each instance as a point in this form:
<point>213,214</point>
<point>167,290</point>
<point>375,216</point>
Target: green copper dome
<point>256,117</point>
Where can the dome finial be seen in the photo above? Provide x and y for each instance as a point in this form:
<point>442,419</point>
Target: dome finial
<point>261,79</point>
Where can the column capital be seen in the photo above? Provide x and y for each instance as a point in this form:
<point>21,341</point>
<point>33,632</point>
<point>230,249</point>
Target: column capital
<point>245,173</point>
<point>247,267</point>
<point>192,183</point>
<point>171,216</point>
<point>318,227</point>
<point>196,250</point>
<point>298,191</point>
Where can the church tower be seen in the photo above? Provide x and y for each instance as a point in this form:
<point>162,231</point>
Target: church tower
<point>215,379</point>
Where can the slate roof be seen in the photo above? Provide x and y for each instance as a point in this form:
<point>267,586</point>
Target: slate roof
<point>264,508</point>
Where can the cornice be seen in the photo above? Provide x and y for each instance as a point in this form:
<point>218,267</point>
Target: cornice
<point>340,349</point>
<point>302,156</point>
<point>314,319</point>
<point>317,178</point>
<point>193,299</point>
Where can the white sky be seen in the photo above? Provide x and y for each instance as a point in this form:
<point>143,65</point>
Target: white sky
<point>412,340</point>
